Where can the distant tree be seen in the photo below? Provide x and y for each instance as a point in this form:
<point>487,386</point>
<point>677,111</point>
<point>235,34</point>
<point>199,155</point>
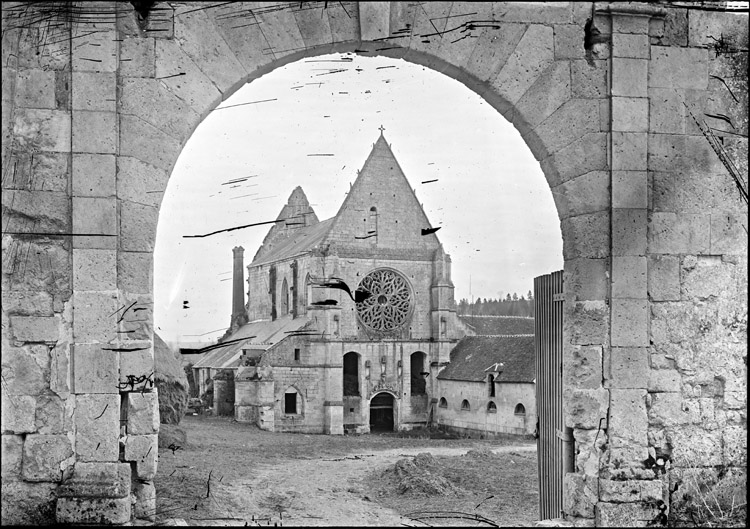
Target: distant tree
<point>508,298</point>
<point>515,296</point>
<point>530,296</point>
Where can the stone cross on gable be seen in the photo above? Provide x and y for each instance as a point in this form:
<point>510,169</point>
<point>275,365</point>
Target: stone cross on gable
<point>381,129</point>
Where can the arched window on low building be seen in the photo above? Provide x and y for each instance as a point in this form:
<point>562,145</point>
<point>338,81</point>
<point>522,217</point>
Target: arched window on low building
<point>491,408</point>
<point>465,405</point>
<point>443,403</point>
<point>520,410</point>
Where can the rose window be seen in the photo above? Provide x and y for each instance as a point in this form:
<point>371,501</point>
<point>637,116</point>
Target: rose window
<point>389,304</point>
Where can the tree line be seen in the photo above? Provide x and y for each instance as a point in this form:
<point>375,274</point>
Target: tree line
<point>512,305</point>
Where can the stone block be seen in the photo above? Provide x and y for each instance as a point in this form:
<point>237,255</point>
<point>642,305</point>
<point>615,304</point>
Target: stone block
<point>628,424</point>
<point>589,81</point>
<point>629,151</point>
<point>184,78</point>
<point>114,480</point>
<point>581,494</point>
<point>200,41</point>
<point>667,410</point>
<point>727,232</point>
<point>587,193</point>
<point>580,157</point>
<point>586,322</point>
<point>30,504</point>
<point>94,316</point>
<point>41,130</point>
<point>583,368</point>
<point>60,370</point>
<point>570,122</point>
<point>137,226</point>
<point>145,142</point>
<point>25,370</point>
<point>35,328</point>
<point>630,319</point>
<point>145,500</point>
<point>586,279</point>
<point>664,380</point>
<point>152,102</point>
<point>135,271</point>
<point>51,416</point>
<point>673,67</point>
<point>40,171</point>
<point>35,89</point>
<point>94,91</point>
<point>585,408</point>
<point>92,510</point>
<point>96,220</point>
<point>143,413</point>
<point>631,46</point>
<point>702,25</point>
<point>569,41</point>
<point>12,453</point>
<point>97,423</point>
<point>137,57</point>
<point>629,228</point>
<point>21,209</point>
<point>93,269</point>
<point>666,111</point>
<point>95,369</point>
<point>587,236</point>
<point>534,53</point>
<point>629,23</point>
<point>628,368</point>
<point>630,189</point>
<point>27,303</point>
<point>706,276</point>
<point>144,451</point>
<point>97,52</point>
<point>691,155</point>
<point>548,93</point>
<point>630,77</point>
<point>136,365</point>
<point>630,114</point>
<point>670,233</point>
<point>94,175</point>
<point>94,132</point>
<point>140,182</point>
<point>629,277</point>
<point>44,457</point>
<point>664,277</point>
<point>630,491</point>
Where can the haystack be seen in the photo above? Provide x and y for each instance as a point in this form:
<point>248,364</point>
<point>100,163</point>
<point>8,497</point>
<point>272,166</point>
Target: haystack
<point>171,383</point>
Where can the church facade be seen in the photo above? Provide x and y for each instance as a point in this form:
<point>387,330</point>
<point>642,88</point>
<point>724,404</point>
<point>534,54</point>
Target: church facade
<point>347,321</point>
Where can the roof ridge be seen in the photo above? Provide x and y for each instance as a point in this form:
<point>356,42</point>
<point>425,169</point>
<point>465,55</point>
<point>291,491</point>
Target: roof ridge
<point>494,316</point>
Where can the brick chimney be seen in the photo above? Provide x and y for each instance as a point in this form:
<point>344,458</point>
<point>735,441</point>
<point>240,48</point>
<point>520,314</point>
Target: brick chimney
<point>239,316</point>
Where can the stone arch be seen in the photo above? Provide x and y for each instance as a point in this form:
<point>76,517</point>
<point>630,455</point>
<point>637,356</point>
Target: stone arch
<point>109,144</point>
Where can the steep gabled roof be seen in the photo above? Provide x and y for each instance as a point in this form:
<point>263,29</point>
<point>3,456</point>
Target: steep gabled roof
<point>260,334</point>
<point>474,354</point>
<point>400,218</point>
<point>301,241</point>
<point>300,215</point>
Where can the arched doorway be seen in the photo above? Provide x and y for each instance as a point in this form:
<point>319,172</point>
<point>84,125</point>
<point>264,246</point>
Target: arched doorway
<point>382,413</point>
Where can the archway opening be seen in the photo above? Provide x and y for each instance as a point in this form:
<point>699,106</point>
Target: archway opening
<point>382,413</point>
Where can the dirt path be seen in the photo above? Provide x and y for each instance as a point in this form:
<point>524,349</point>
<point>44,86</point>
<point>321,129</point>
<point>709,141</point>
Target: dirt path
<point>328,491</point>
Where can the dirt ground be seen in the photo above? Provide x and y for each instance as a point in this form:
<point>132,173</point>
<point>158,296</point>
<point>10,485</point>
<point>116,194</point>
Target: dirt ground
<point>236,474</point>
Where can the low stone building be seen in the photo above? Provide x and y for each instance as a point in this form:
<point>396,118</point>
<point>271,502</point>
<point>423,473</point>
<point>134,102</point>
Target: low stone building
<point>488,388</point>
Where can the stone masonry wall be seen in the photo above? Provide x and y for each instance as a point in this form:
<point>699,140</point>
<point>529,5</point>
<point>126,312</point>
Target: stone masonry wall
<point>654,235</point>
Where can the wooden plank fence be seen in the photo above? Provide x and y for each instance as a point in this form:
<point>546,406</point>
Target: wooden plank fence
<point>555,450</point>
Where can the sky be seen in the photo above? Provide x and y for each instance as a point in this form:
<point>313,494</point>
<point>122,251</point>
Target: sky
<point>313,123</point>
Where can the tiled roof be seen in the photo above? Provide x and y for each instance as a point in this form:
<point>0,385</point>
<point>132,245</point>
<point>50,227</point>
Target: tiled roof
<point>260,335</point>
<point>474,354</point>
<point>499,325</point>
<point>303,240</point>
